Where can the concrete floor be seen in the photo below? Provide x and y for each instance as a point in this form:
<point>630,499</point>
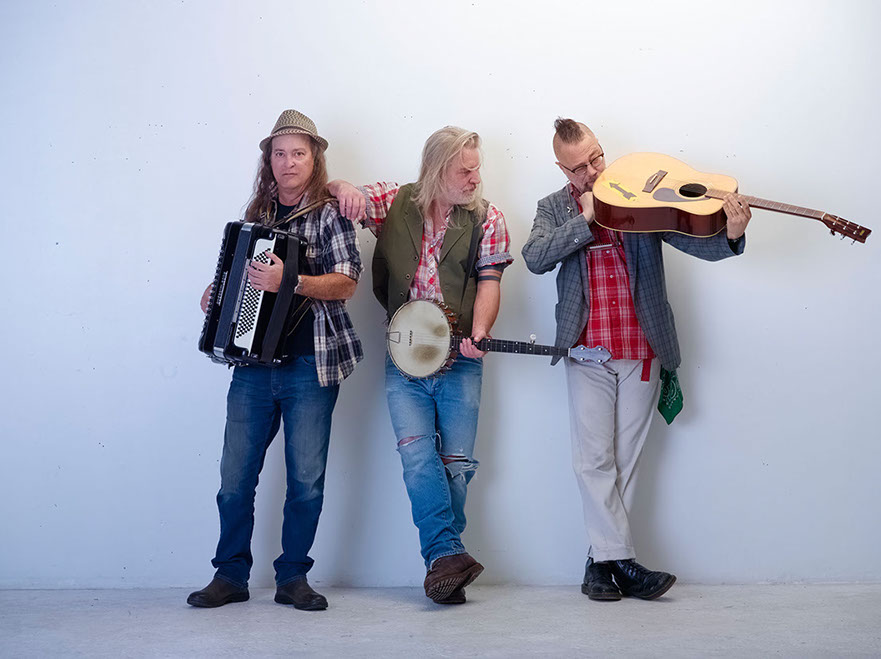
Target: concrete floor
<point>497,621</point>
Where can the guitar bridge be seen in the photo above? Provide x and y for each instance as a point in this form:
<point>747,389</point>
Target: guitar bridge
<point>652,181</point>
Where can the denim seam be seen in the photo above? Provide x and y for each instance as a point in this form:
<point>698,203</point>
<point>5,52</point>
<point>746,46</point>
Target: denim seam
<point>451,553</point>
<point>232,582</point>
<point>291,580</point>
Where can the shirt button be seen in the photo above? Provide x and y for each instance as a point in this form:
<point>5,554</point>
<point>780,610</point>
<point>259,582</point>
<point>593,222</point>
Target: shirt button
<point>576,240</point>
<point>406,276</point>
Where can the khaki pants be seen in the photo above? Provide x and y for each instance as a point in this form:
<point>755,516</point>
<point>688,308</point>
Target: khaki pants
<point>610,410</point>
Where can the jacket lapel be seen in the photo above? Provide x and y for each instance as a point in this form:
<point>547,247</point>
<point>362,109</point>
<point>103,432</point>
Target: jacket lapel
<point>458,227</point>
<point>631,252</point>
<point>413,219</point>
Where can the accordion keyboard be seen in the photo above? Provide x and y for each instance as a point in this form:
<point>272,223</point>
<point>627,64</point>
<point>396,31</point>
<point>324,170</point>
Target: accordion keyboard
<point>252,299</point>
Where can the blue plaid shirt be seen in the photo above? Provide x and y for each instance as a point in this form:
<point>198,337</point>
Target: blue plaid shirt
<point>332,246</point>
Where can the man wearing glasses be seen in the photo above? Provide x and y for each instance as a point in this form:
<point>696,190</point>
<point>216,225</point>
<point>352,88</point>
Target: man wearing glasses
<point>607,302</point>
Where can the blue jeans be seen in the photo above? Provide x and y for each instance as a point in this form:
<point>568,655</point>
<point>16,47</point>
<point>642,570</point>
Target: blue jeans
<point>259,398</point>
<point>435,422</point>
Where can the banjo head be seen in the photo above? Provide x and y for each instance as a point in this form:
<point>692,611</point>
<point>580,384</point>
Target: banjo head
<point>419,338</point>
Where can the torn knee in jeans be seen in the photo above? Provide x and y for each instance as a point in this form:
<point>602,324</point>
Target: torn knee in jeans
<point>414,438</point>
<point>458,464</point>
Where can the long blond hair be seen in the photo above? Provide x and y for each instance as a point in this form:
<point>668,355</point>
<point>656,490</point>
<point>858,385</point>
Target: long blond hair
<point>441,148</point>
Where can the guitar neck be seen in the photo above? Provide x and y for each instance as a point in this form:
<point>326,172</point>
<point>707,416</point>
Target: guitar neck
<point>767,204</point>
<point>521,347</point>
<point>833,222</point>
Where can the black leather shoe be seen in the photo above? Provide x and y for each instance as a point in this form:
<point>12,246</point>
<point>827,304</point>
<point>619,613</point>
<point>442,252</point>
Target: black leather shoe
<point>636,581</point>
<point>598,584</point>
<point>300,594</point>
<point>456,597</point>
<point>218,593</point>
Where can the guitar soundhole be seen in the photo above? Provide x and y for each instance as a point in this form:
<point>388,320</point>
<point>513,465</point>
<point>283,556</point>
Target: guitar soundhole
<point>693,190</point>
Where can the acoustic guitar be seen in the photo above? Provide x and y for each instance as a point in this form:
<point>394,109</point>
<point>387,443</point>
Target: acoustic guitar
<point>647,192</point>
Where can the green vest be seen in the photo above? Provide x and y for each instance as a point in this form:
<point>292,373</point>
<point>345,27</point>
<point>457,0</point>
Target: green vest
<point>399,248</point>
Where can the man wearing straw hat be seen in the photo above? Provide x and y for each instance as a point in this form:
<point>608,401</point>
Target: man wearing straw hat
<point>321,351</point>
<point>438,239</point>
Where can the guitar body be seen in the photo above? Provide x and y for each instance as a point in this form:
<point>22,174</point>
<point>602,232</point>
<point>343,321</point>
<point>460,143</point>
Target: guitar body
<point>676,201</point>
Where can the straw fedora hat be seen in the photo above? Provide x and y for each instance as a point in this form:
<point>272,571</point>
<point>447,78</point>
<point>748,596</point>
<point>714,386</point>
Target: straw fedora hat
<point>292,122</point>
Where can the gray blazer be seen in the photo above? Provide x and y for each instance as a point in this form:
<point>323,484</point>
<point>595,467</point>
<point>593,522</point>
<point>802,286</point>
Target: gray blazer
<point>560,235</point>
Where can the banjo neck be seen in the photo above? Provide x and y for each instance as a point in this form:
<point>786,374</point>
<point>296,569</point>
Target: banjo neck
<point>520,347</point>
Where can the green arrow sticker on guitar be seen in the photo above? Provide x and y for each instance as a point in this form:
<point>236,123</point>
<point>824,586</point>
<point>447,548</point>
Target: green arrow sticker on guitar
<point>624,193</point>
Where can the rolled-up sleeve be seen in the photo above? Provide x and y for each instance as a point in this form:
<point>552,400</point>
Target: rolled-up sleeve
<point>340,252</point>
<point>495,246</point>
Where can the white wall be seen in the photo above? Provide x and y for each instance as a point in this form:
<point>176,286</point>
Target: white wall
<point>131,133</point>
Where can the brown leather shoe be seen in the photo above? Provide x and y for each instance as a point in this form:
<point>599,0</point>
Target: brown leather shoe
<point>456,597</point>
<point>217,593</point>
<point>450,573</point>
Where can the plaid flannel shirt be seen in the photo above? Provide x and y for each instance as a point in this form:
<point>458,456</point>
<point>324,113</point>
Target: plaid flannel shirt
<point>560,233</point>
<point>332,246</point>
<point>612,321</point>
<point>492,251</point>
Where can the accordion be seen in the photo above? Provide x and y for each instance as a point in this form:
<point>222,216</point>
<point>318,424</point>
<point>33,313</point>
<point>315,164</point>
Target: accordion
<point>244,325</point>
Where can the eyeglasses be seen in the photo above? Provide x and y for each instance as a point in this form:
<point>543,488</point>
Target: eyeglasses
<point>595,162</point>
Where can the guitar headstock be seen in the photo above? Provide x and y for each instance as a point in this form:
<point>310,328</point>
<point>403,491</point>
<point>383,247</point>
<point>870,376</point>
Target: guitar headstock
<point>838,225</point>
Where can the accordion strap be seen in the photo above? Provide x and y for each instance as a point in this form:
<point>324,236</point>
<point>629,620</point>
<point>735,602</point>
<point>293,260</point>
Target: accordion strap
<point>306,209</point>
<point>289,278</point>
<point>285,296</point>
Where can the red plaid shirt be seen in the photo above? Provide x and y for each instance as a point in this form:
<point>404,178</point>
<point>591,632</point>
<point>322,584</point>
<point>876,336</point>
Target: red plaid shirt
<point>612,320</point>
<point>493,249</point>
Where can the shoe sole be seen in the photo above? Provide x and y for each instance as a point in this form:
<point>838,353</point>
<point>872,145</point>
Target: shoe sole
<point>453,599</point>
<point>601,597</point>
<point>657,593</point>
<point>301,607</point>
<point>442,589</point>
<point>241,597</point>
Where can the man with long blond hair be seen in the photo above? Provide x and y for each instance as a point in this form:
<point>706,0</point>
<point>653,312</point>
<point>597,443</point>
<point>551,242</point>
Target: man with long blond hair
<point>318,354</point>
<point>459,262</point>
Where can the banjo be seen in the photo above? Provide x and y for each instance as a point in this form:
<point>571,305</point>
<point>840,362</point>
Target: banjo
<point>423,340</point>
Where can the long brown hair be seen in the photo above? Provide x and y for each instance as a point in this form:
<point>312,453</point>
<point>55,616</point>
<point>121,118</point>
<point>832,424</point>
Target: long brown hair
<point>265,189</point>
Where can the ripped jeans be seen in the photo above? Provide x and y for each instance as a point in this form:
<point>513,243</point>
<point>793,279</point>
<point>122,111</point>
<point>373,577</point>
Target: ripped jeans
<point>435,422</point>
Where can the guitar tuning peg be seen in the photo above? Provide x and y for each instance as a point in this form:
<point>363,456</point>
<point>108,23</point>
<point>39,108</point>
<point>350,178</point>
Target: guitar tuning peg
<point>532,338</point>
